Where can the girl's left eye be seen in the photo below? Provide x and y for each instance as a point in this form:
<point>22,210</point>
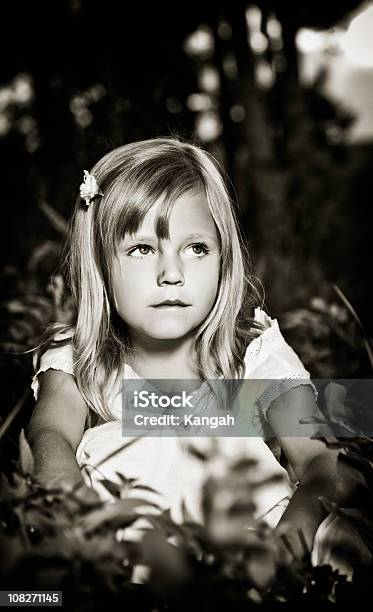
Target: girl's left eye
<point>199,249</point>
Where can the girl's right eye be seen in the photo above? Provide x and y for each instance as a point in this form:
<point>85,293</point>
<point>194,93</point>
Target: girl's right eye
<point>143,251</point>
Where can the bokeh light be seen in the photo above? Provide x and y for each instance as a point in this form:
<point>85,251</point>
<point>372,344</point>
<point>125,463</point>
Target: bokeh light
<point>208,126</point>
<point>200,43</point>
<point>309,41</point>
<point>357,43</point>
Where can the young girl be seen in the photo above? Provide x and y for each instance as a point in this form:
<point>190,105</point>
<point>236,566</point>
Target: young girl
<point>160,288</point>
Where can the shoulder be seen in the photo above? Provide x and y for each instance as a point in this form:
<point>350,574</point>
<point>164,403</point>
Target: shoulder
<point>269,355</point>
<point>58,357</point>
<point>272,365</point>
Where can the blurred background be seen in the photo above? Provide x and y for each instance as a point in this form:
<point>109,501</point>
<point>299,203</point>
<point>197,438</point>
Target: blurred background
<point>280,92</point>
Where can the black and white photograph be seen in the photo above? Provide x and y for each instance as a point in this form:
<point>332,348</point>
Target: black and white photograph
<point>186,332</point>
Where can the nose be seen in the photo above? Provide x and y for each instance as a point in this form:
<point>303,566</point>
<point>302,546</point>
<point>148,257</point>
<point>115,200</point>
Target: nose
<point>170,271</point>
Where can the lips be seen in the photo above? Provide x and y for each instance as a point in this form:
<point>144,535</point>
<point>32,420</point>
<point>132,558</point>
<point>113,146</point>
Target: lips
<point>170,304</point>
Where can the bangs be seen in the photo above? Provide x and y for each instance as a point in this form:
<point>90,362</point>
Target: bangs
<point>132,207</point>
<point>135,210</point>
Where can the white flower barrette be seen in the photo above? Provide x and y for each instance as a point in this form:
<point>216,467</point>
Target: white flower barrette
<point>89,188</point>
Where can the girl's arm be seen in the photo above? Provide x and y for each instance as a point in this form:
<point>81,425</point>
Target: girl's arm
<point>314,465</point>
<point>56,428</point>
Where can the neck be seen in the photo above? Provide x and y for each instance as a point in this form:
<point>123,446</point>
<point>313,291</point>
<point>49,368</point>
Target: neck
<point>154,358</point>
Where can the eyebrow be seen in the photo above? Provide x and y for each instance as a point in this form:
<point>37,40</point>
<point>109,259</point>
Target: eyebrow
<point>188,237</point>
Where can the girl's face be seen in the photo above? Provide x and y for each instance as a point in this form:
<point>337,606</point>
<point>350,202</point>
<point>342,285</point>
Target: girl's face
<point>150,271</point>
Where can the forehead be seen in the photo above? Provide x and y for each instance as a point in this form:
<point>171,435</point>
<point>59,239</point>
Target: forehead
<point>189,214</point>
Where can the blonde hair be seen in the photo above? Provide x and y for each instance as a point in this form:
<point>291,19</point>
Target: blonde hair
<point>132,178</point>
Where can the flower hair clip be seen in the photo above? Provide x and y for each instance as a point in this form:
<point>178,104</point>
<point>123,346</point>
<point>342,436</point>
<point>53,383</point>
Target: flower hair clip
<point>89,188</point>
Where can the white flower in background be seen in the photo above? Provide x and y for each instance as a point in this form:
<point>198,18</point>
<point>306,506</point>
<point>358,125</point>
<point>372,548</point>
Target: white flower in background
<point>89,188</point>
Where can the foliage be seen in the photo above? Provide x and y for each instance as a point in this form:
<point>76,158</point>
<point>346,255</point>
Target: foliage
<point>61,540</point>
<point>329,337</point>
<point>56,539</point>
<point>31,299</point>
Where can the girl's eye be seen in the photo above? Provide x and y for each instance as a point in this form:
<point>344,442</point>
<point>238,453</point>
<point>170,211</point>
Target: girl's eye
<point>199,249</point>
<point>142,251</point>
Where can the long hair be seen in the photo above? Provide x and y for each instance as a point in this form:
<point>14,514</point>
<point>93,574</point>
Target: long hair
<point>131,178</point>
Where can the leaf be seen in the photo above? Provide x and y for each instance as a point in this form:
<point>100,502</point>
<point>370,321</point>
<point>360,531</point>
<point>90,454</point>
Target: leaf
<point>5,486</point>
<point>170,571</point>
<point>112,487</point>
<point>329,506</point>
<point>20,488</point>
<point>355,517</point>
<point>363,466</point>
<point>268,481</point>
<point>241,508</point>
<point>165,523</point>
<point>336,428</point>
<point>313,419</point>
<point>125,480</point>
<point>116,515</point>
<point>14,411</point>
<point>350,308</point>
<point>341,443</point>
<point>363,524</point>
<point>118,450</point>
<point>25,455</point>
<point>57,221</point>
<point>196,453</point>
<point>261,569</point>
<point>145,488</point>
<point>243,464</point>
<point>187,517</point>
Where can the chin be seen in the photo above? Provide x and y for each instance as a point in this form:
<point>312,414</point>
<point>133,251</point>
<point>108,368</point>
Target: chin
<point>168,332</point>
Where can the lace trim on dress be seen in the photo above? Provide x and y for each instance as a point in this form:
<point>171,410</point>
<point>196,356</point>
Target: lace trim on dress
<point>271,344</point>
<point>270,333</point>
<point>282,386</point>
<point>54,359</point>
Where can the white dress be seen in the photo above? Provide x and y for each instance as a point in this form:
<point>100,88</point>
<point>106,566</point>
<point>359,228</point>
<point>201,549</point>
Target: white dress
<point>163,463</point>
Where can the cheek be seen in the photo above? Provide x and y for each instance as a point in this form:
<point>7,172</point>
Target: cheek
<point>129,288</point>
<point>130,275</point>
<point>206,281</point>
<point>132,295</point>
<point>212,291</point>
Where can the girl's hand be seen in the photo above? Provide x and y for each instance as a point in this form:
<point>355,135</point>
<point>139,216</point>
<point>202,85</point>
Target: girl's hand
<point>81,497</point>
<point>87,496</point>
<point>292,543</point>
<point>70,488</point>
<point>75,498</point>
